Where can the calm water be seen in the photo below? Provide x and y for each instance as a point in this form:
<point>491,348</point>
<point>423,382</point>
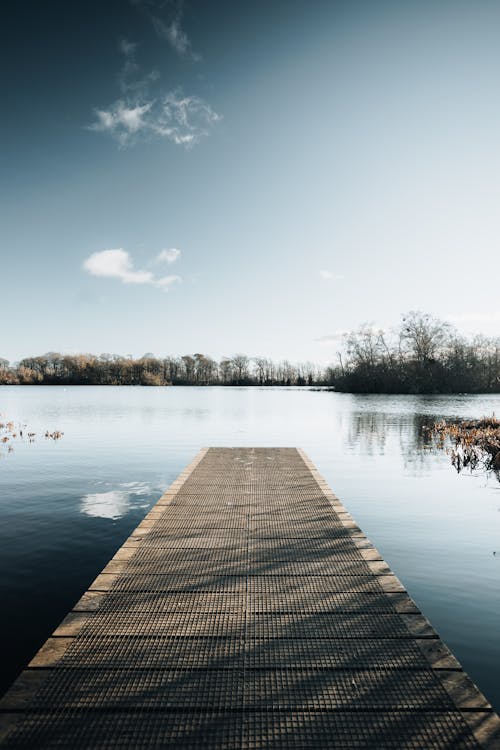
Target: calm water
<point>67,506</point>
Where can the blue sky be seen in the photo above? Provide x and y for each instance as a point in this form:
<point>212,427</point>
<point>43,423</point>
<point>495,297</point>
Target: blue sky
<point>314,165</point>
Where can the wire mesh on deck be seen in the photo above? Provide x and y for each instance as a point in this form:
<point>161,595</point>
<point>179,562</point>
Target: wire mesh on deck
<point>279,730</point>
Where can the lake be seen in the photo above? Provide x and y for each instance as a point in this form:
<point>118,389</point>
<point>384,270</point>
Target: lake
<point>67,505</point>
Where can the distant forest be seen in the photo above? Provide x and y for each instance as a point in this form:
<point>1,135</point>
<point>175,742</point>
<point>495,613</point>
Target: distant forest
<point>196,369</point>
<point>422,355</point>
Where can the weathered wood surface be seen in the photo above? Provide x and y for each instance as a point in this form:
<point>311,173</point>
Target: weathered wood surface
<point>247,610</point>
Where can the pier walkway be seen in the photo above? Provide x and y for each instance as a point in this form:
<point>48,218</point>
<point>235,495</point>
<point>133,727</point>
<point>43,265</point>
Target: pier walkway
<point>246,611</point>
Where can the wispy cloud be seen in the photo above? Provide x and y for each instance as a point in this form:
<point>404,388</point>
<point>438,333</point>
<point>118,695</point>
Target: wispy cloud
<point>143,112</point>
<point>128,48</point>
<point>168,256</point>
<point>175,36</point>
<point>117,264</point>
<point>331,338</point>
<point>123,122</point>
<point>166,18</point>
<point>130,67</point>
<point>184,120</point>
<point>133,82</point>
<point>330,276</point>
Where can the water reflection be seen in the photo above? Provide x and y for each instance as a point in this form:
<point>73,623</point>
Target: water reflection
<point>413,438</point>
<point>114,504</point>
<point>378,433</point>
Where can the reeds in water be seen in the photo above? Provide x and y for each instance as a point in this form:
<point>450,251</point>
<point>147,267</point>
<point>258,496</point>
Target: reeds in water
<point>473,443</point>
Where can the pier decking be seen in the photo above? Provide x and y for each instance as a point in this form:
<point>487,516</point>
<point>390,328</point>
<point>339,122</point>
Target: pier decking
<point>247,611</point>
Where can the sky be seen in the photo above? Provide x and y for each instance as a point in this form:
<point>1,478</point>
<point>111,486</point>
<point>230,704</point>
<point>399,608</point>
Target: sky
<point>257,177</point>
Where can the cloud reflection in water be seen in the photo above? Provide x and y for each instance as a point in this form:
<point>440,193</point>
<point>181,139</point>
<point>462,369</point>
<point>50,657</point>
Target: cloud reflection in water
<point>115,504</point>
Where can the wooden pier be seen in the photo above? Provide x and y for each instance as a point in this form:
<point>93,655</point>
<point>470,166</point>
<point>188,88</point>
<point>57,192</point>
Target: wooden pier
<point>246,611</point>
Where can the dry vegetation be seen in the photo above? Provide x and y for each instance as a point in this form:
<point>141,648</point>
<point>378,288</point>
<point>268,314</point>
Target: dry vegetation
<point>473,444</point>
<point>10,433</point>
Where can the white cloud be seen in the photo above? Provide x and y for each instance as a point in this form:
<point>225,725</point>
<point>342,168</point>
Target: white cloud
<point>117,264</point>
<point>144,111</point>
<point>165,281</point>
<point>121,121</point>
<point>168,256</point>
<point>332,338</point>
<point>184,120</point>
<point>329,276</point>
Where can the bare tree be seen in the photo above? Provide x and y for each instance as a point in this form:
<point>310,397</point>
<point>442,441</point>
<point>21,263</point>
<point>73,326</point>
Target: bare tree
<point>241,364</point>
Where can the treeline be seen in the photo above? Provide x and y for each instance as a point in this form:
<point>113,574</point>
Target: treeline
<point>198,369</point>
<point>423,355</point>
